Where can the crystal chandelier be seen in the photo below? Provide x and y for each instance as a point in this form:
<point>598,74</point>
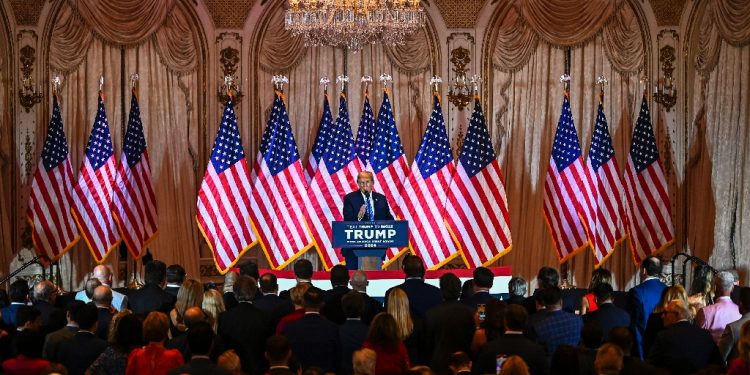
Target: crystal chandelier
<point>352,24</point>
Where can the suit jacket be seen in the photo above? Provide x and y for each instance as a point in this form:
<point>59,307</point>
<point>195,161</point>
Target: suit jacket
<point>315,342</point>
<point>80,351</point>
<point>354,201</point>
<point>352,334</point>
<point>450,328</point>
<point>716,317</point>
<point>245,329</point>
<point>683,348</point>
<point>151,298</point>
<point>52,342</point>
<point>53,318</point>
<point>512,344</point>
<point>422,296</point>
<point>274,306</point>
<point>332,309</point>
<point>173,290</point>
<point>730,336</point>
<point>281,371</point>
<point>105,317</point>
<point>642,300</point>
<point>9,313</point>
<point>372,308</point>
<point>477,298</point>
<point>608,316</point>
<point>199,366</point>
<point>556,328</point>
<point>119,300</point>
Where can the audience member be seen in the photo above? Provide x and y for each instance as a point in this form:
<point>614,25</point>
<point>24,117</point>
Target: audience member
<point>45,296</point>
<point>411,328</point>
<point>491,327</point>
<point>152,297</point>
<point>19,296</point>
<point>193,315</point>
<point>564,361</point>
<point>643,298</point>
<point>29,322</point>
<point>213,306</point>
<point>467,289</point>
<point>278,353</point>
<point>87,293</point>
<point>545,278</point>
<point>359,283</point>
<point>154,358</point>
<point>459,363</point>
<point>52,341</point>
<point>103,273</point>
<point>353,332</point>
<point>701,288</point>
<point>229,279</point>
<point>230,361</point>
<point>339,276</point>
<point>450,325</point>
<point>483,280</point>
<point>715,317</point>
<point>363,362</point>
<point>598,277</point>
<point>558,326</point>
<point>631,365</point>
<point>303,272</point>
<point>80,351</point>
<point>655,322</point>
<point>250,268</point>
<point>391,356</point>
<point>731,334</point>
<point>275,306</point>
<point>103,301</point>
<point>607,314</point>
<point>741,364</point>
<point>125,334</point>
<point>422,296</point>
<point>591,339</point>
<point>608,360</point>
<point>200,338</point>
<point>175,277</point>
<point>189,295</point>
<point>314,340</point>
<point>514,365</point>
<point>297,294</point>
<point>517,290</point>
<point>245,328</point>
<point>28,360</point>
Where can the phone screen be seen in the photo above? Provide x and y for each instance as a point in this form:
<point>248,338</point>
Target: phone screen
<point>481,312</point>
<point>499,361</point>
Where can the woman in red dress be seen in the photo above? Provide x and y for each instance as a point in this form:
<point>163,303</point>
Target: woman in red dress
<point>154,358</point>
<point>391,357</point>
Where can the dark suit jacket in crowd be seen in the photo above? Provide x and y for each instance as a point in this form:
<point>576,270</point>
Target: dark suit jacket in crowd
<point>274,306</point>
<point>608,316</point>
<point>332,309</point>
<point>683,348</point>
<point>199,366</point>
<point>642,299</point>
<point>450,328</point>
<point>372,308</point>
<point>229,300</point>
<point>352,334</point>
<point>354,201</point>
<point>477,298</point>
<point>245,329</point>
<point>315,342</point>
<point>9,314</point>
<point>52,342</point>
<point>53,318</point>
<point>422,296</point>
<point>512,344</point>
<point>173,290</point>
<point>80,351</point>
<point>151,298</point>
<point>105,317</point>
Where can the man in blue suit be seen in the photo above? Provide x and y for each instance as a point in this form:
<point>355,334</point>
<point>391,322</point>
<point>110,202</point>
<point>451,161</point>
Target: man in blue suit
<point>364,205</point>
<point>643,298</point>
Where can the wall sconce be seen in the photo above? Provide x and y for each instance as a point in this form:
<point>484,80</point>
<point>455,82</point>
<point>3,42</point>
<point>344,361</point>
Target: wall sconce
<point>229,59</point>
<point>665,91</point>
<point>229,88</point>
<point>28,94</point>
<point>459,90</point>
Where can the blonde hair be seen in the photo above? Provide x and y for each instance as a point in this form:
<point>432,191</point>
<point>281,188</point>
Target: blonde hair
<point>113,324</point>
<point>743,345</point>
<point>514,365</point>
<point>297,293</point>
<point>213,305</point>
<point>189,295</point>
<point>670,294</point>
<point>229,279</point>
<point>363,361</point>
<point>398,306</point>
<point>608,359</point>
<point>230,361</point>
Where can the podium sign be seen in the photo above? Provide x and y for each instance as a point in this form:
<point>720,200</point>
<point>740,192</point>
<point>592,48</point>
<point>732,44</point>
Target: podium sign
<point>370,234</point>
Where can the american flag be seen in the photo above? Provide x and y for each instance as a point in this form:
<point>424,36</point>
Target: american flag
<point>92,197</point>
<point>567,189</point>
<point>605,226</point>
<point>134,202</point>
<point>276,205</point>
<point>648,218</point>
<point>335,177</point>
<point>53,230</point>
<point>224,196</point>
<point>366,133</point>
<point>477,209</point>
<point>321,141</point>
<point>388,163</point>
<point>425,194</point>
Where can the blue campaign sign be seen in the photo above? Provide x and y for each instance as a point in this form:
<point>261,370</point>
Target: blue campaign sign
<point>370,234</point>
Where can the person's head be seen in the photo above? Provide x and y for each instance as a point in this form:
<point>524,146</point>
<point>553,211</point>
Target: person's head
<point>213,305</point>
<point>384,331</point>
<point>398,307</point>
<point>744,301</point>
<point>743,344</point>
<point>450,287</point>
<point>592,334</point>
<point>245,288</point>
<point>459,361</point>
<point>155,327</point>
<point>363,362</point>
<point>413,266</point>
<point>91,285</point>
<point>621,337</point>
<point>676,311</point>
<point>229,279</point>
<point>278,350</point>
<point>72,311</point>
<point>313,299</point>
<point>515,318</point>
<point>19,291</point>
<point>339,275</point>
<point>483,278</point>
<point>303,270</point>
<point>608,360</point>
<point>230,361</point>
<point>600,276</point>
<point>45,291</point>
<point>103,273</point>
<point>102,296</point>
<point>547,277</point>
<point>670,294</point>
<point>297,294</point>
<point>268,283</point>
<point>88,316</point>
<point>200,338</point>
<point>365,181</point>
<point>126,331</point>
<point>514,365</point>
<point>603,293</point>
<point>193,315</point>
<point>175,274</point>
<point>651,267</point>
<point>517,286</point>
<point>155,273</point>
<point>553,297</point>
<point>565,361</point>
<point>250,268</point>
<point>26,344</point>
<point>494,318</point>
<point>189,295</point>
<point>359,281</point>
<point>724,283</point>
<point>28,318</point>
<point>353,303</point>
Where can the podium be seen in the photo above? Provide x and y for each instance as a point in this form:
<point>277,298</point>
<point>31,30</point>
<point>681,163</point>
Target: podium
<point>368,240</point>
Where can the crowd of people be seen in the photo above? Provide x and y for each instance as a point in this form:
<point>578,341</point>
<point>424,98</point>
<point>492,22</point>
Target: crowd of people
<point>174,325</point>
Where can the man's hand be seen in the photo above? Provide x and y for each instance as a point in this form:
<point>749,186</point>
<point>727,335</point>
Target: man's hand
<point>361,213</point>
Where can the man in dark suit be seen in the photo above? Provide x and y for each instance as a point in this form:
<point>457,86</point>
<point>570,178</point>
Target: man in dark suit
<point>303,272</point>
<point>359,283</point>
<point>278,354</point>
<point>483,279</point>
<point>450,325</point>
<point>81,350</point>
<point>558,327</point>
<point>45,296</point>
<point>545,278</point>
<point>245,328</point>
<point>52,341</point>
<point>353,331</point>
<point>152,297</point>
<point>19,295</point>
<point>364,205</point>
<point>103,302</point>
<point>194,315</point>
<point>643,298</point>
<point>731,334</point>
<point>682,348</point>
<point>607,315</point>
<point>314,340</point>
<point>332,307</point>
<point>175,278</point>
<point>422,296</point>
<point>201,339</point>
<point>512,342</point>
<point>275,306</point>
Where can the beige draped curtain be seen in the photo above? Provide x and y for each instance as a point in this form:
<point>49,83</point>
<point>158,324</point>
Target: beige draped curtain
<point>7,177</point>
